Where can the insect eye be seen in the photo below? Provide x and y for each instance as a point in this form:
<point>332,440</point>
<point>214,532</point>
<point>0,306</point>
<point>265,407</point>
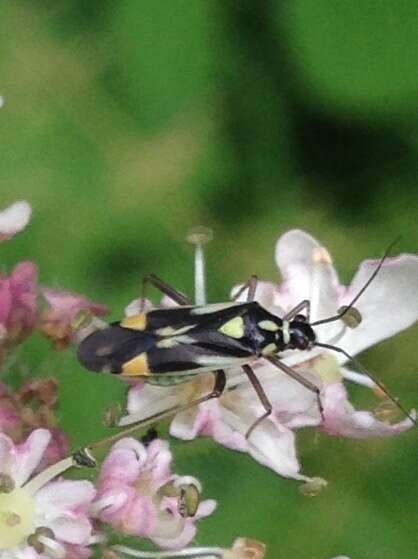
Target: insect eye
<point>300,318</point>
<point>299,340</point>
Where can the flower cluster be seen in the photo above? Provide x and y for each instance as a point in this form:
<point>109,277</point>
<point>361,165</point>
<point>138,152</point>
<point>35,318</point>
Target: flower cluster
<point>30,407</point>
<point>24,306</point>
<point>45,516</point>
<point>307,272</point>
<point>136,493</point>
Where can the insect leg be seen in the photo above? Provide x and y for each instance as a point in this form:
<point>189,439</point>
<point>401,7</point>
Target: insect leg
<point>305,304</point>
<point>262,397</point>
<point>84,457</point>
<point>251,285</point>
<point>298,378</point>
<point>171,292</point>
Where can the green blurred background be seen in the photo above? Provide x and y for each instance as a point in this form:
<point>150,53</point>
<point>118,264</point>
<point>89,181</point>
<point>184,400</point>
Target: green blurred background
<point>126,123</point>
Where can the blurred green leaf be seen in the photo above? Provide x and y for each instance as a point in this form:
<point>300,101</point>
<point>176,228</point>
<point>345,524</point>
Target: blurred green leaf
<point>162,57</point>
<point>358,56</point>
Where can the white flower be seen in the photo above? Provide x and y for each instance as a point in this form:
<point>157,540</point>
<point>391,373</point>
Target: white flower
<point>389,305</point>
<point>14,219</point>
<point>40,518</point>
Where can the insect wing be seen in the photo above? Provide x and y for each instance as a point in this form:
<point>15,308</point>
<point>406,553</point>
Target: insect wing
<point>108,350</point>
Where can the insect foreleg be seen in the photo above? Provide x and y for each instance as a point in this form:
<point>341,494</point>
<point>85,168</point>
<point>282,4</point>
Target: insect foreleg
<point>305,304</point>
<point>262,397</point>
<point>84,457</point>
<point>165,288</point>
<point>298,378</point>
<point>251,285</point>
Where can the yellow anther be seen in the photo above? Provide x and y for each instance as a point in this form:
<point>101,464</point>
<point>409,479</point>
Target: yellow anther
<point>351,318</point>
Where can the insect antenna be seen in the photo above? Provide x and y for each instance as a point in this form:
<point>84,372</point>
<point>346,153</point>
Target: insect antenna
<point>363,370</point>
<point>347,308</point>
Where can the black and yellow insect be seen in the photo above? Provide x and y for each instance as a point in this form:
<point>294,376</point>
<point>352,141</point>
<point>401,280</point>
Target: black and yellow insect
<point>170,346</point>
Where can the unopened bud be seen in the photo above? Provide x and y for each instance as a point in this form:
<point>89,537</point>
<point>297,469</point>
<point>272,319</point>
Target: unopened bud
<point>313,487</point>
<point>112,415</point>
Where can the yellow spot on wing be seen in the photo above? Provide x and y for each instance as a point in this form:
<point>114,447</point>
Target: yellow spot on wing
<point>167,343</point>
<point>234,328</point>
<point>170,331</point>
<point>136,367</point>
<point>268,325</point>
<point>135,322</point>
<point>269,349</point>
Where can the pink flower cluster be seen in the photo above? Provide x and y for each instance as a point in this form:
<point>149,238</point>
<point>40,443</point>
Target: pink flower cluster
<point>24,305</point>
<point>42,515</point>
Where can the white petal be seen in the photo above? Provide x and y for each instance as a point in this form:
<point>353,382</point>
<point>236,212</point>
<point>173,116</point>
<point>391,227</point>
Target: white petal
<point>388,306</point>
<point>149,399</point>
<point>343,420</point>
<point>273,445</point>
<point>28,455</point>
<point>307,272</point>
<point>64,496</point>
<point>70,530</point>
<point>186,425</point>
<point>14,218</point>
<point>206,508</point>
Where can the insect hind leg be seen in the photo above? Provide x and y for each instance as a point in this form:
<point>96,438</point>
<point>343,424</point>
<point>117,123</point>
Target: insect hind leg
<point>85,457</point>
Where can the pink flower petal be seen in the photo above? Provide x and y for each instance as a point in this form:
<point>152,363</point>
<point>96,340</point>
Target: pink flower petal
<point>208,419</point>
<point>5,300</point>
<point>342,420</point>
<point>124,462</point>
<point>65,497</point>
<point>77,552</point>
<point>138,517</point>
<point>71,530</point>
<point>68,304</point>
<point>26,456</point>
<point>18,312</point>
<point>14,219</point>
<point>133,514</point>
<point>9,416</point>
<point>159,461</point>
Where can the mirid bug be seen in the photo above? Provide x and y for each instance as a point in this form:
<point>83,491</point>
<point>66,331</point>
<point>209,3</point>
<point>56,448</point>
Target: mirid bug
<point>170,346</point>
